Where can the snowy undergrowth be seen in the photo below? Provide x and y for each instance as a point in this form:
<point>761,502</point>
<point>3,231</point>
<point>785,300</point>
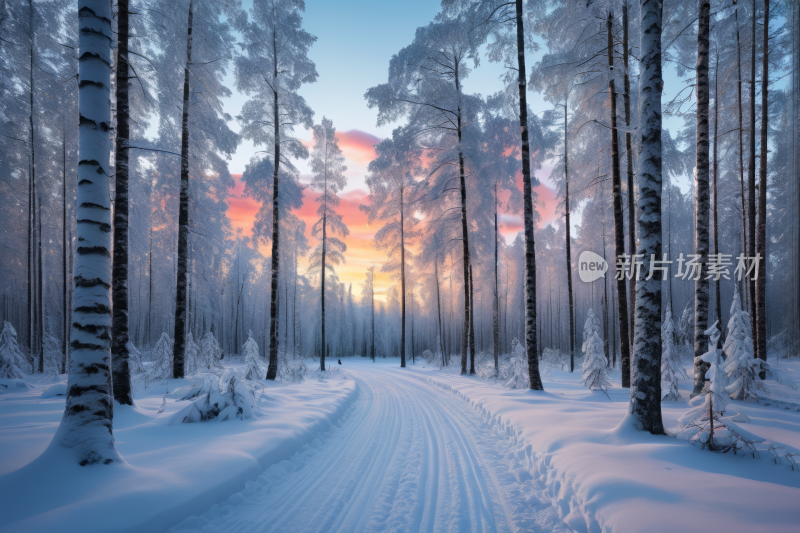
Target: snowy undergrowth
<point>171,471</point>
<point>603,477</point>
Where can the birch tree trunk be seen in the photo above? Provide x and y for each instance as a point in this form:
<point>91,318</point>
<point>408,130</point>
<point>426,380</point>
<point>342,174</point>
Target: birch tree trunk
<point>761,231</point>
<point>702,206</point>
<point>183,218</point>
<point>644,410</point>
<point>86,426</point>
<point>619,223</point>
<point>530,253</point>
<point>272,368</point>
<point>121,373</point>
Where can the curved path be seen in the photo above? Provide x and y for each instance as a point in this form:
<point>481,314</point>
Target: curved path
<point>407,457</point>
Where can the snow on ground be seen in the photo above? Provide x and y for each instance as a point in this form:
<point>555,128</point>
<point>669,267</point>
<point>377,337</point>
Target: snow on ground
<point>409,457</point>
<point>172,471</point>
<point>416,449</point>
<point>604,478</point>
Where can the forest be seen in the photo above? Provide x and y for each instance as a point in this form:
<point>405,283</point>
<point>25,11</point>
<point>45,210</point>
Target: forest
<point>512,147</point>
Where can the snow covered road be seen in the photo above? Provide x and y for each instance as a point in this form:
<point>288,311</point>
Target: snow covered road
<point>408,456</point>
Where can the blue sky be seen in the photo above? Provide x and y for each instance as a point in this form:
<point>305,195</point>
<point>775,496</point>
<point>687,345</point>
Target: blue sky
<point>355,41</point>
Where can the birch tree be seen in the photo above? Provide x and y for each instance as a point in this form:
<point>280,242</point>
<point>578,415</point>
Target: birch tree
<point>702,198</point>
<point>426,85</point>
<point>327,165</point>
<point>507,20</point>
<point>191,54</point>
<point>644,410</point>
<point>392,187</point>
<point>86,426</point>
<point>368,298</point>
<point>274,67</point>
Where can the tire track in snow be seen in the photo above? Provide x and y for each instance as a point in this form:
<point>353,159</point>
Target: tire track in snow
<point>408,456</point>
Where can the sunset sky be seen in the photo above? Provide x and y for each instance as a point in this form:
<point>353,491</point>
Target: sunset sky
<point>355,44</point>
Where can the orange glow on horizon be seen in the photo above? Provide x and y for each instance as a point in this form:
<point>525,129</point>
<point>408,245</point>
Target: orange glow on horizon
<point>361,253</point>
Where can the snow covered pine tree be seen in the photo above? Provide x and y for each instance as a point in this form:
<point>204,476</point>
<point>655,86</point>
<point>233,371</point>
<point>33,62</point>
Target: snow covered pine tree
<point>671,368</point>
<point>12,362</point>
<point>741,367</point>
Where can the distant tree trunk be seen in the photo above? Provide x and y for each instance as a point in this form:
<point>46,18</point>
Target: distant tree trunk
<point>66,248</point>
<point>272,368</point>
<point>402,284</point>
<point>439,307</point>
<point>715,200</point>
<point>629,159</point>
<point>294,309</point>
<point>322,286</point>
<point>471,324</point>
<point>40,283</point>
<point>605,300</point>
<point>751,183</point>
<point>645,395</point>
<point>530,253</point>
<point>495,295</point>
<point>31,331</point>
<point>413,355</point>
<point>619,223</point>
<point>701,198</point>
<point>86,426</point>
<point>761,240</point>
<point>741,133</point>
<point>183,218</point>
<point>121,373</point>
<point>150,290</point>
<point>372,308</point>
<point>568,245</point>
<point>464,233</point>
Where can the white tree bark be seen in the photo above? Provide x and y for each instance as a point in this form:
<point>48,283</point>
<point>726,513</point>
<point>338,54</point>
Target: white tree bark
<point>86,427</point>
<point>644,411</point>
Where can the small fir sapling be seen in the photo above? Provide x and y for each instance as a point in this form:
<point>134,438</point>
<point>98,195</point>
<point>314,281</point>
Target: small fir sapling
<point>162,360</point>
<point>225,399</point>
<point>135,358</point>
<point>52,355</point>
<point>741,368</point>
<point>699,422</point>
<point>12,362</point>
<point>255,367</point>
<point>210,353</point>
<point>191,356</point>
<point>672,370</point>
<point>594,372</point>
<point>515,375</point>
<point>591,326</point>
